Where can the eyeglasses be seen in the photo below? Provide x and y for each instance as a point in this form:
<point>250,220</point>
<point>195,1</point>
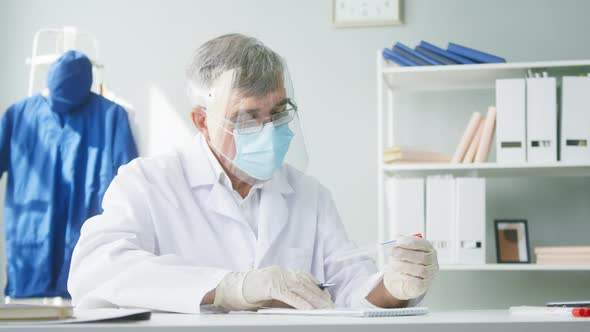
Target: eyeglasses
<point>253,126</point>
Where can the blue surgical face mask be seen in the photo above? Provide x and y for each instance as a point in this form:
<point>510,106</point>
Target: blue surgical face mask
<point>262,153</point>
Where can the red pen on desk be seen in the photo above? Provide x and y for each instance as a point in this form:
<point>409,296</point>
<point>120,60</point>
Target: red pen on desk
<point>571,312</point>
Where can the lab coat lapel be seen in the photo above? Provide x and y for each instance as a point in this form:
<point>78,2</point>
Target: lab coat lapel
<point>220,201</point>
<point>273,214</point>
<point>200,173</point>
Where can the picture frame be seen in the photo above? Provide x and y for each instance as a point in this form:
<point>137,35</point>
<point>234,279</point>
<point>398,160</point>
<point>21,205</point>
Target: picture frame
<point>512,241</point>
<point>353,13</point>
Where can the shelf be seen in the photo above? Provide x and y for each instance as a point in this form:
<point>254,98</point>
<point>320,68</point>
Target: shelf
<point>515,267</point>
<point>476,76</point>
<point>555,169</point>
<point>393,79</point>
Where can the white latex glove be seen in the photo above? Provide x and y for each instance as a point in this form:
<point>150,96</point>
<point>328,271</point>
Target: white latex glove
<point>412,265</point>
<point>257,288</point>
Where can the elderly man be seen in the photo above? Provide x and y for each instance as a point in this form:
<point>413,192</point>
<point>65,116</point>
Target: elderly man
<point>231,219</point>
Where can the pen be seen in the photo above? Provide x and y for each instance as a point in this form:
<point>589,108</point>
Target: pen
<point>364,251</point>
<point>571,312</point>
<point>394,241</point>
<point>325,285</point>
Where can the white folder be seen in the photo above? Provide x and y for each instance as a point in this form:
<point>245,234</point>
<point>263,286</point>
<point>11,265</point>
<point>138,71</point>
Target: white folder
<point>541,119</point>
<point>575,119</point>
<point>510,121</point>
<point>470,220</point>
<point>405,197</point>
<point>440,216</point>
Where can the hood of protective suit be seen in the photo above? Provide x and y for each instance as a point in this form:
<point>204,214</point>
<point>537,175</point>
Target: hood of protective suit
<point>69,80</point>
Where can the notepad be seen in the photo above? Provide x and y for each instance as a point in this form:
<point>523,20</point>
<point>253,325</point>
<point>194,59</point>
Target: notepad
<point>353,312</point>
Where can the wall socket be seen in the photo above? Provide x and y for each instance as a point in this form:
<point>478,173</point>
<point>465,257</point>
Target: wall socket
<point>351,13</point>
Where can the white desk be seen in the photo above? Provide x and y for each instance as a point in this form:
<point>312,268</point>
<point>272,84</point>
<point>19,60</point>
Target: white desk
<point>452,321</point>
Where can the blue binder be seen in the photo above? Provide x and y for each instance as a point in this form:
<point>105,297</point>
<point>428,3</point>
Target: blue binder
<point>395,57</point>
<point>440,51</point>
<point>413,55</point>
<point>435,56</point>
<point>473,54</point>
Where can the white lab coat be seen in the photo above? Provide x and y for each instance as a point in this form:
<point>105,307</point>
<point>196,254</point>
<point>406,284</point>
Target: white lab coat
<point>171,231</point>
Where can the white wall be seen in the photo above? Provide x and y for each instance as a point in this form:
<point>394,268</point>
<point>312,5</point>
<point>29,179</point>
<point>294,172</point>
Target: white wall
<point>145,45</point>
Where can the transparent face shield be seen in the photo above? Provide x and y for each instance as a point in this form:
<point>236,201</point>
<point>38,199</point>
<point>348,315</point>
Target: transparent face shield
<point>254,126</point>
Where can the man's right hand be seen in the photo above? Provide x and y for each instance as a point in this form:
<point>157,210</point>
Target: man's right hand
<point>258,288</point>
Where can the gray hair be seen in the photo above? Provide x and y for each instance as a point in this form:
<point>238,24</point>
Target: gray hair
<point>260,68</point>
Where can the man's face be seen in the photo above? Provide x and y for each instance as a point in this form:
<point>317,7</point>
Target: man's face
<point>254,109</point>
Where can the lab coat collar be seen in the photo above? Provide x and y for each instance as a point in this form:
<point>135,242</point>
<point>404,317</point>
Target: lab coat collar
<point>203,168</point>
<point>198,170</point>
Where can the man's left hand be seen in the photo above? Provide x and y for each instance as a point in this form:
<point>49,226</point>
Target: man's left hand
<point>411,266</point>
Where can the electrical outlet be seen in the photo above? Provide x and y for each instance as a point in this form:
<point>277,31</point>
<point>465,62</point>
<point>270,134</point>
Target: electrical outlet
<point>350,13</point>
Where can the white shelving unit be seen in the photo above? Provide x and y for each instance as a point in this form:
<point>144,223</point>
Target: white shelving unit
<point>392,79</point>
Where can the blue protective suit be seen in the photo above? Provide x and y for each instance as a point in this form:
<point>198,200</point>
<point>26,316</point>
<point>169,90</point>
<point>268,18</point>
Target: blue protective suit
<point>61,153</point>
